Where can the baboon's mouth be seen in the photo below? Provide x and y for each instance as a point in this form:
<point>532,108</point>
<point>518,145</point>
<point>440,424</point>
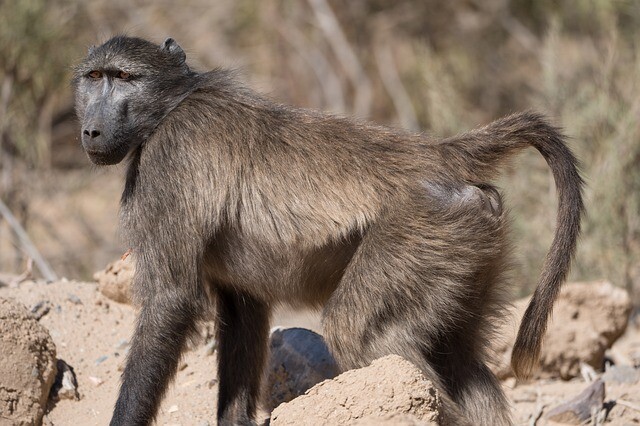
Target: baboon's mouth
<point>104,158</point>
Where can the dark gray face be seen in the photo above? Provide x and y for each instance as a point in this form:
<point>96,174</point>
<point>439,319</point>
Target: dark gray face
<point>124,88</point>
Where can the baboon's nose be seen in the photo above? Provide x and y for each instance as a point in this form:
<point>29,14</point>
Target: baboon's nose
<point>92,133</point>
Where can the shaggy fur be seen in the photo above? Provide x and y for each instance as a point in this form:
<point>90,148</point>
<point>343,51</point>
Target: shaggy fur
<point>233,199</point>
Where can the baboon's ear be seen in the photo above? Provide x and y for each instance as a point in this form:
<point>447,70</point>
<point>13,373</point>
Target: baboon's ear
<point>172,47</point>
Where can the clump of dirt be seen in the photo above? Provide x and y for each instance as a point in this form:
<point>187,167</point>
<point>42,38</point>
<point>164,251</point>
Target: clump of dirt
<point>587,319</point>
<point>115,280</point>
<point>390,385</point>
<point>27,365</point>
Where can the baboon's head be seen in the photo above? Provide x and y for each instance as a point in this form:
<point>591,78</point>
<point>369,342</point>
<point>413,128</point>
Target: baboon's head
<point>124,88</point>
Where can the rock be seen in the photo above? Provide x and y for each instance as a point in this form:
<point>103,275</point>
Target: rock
<point>115,281</point>
<point>299,359</point>
<point>581,408</point>
<point>210,347</point>
<point>27,365</point>
<point>390,388</point>
<point>97,381</point>
<point>66,384</point>
<point>40,309</point>
<point>122,344</point>
<point>587,319</point>
<point>621,374</point>
<point>74,299</point>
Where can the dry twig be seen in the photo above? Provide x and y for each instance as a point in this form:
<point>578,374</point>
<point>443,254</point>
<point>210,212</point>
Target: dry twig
<point>335,36</point>
<point>628,404</point>
<point>395,88</point>
<point>26,243</point>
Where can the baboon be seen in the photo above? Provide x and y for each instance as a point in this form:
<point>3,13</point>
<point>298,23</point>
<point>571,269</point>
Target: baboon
<point>236,202</point>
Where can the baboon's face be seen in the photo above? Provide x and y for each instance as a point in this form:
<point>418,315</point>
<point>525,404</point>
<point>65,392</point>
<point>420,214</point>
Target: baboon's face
<point>124,88</point>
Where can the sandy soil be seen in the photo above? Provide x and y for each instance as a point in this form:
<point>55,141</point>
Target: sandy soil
<point>91,334</point>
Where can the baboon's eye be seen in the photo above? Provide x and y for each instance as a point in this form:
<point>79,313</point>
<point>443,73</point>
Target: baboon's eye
<point>95,75</point>
<point>123,75</point>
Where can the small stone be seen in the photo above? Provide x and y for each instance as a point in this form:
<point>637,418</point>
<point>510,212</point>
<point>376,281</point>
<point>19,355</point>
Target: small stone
<point>102,359</point>
<point>210,347</point>
<point>182,366</point>
<point>40,309</point>
<point>621,374</point>
<point>97,381</point>
<point>581,408</point>
<point>66,384</point>
<point>74,299</point>
<point>122,343</point>
<point>173,409</point>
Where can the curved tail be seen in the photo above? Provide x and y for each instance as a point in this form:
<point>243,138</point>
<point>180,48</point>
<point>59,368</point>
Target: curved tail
<point>476,156</point>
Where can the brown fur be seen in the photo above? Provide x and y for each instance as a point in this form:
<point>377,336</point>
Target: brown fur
<point>401,240</point>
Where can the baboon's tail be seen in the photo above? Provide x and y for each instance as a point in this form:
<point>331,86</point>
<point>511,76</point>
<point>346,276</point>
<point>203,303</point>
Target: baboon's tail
<point>476,156</point>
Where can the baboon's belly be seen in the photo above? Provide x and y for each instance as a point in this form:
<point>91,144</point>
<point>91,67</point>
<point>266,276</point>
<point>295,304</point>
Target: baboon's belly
<point>293,275</point>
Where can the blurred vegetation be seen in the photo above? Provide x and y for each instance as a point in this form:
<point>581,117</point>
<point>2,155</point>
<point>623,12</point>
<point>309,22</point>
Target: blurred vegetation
<point>33,66</point>
<point>438,67</point>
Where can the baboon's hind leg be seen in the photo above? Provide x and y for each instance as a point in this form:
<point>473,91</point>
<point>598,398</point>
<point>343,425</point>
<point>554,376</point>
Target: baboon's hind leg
<point>470,382</point>
<point>416,283</point>
<point>243,332</point>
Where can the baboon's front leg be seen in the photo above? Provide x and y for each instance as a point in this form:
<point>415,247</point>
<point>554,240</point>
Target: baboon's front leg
<point>163,326</point>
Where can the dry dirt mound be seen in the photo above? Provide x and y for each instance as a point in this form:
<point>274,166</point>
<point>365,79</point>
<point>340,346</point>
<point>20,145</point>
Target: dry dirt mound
<point>587,319</point>
<point>389,386</point>
<point>115,280</point>
<point>27,365</point>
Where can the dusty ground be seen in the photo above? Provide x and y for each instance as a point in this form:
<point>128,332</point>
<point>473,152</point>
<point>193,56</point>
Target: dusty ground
<point>91,334</point>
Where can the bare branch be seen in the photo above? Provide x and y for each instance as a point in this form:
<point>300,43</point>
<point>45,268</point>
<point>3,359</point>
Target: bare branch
<point>26,243</point>
<point>329,81</point>
<point>395,88</point>
<point>28,273</point>
<point>628,404</point>
<point>335,36</point>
